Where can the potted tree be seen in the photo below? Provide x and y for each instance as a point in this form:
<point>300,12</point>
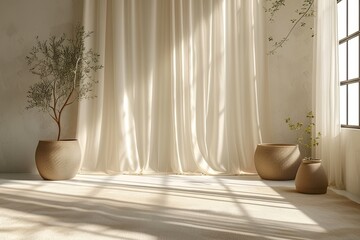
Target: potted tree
<point>64,68</point>
<point>310,177</point>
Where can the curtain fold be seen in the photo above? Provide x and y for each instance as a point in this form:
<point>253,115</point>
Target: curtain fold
<point>326,90</point>
<point>178,92</point>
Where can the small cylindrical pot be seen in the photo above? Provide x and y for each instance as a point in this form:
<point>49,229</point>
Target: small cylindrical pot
<point>277,161</point>
<point>311,177</point>
<point>58,160</point>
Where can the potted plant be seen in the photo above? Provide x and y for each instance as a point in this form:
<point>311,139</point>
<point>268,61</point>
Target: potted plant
<point>64,68</point>
<point>310,177</point>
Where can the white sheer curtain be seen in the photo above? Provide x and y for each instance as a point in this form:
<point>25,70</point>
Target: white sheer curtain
<point>326,90</point>
<point>178,93</point>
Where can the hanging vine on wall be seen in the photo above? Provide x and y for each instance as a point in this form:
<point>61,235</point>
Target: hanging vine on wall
<point>302,14</point>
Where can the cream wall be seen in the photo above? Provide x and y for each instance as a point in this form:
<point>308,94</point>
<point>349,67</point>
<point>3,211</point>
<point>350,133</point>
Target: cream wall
<point>289,92</point>
<point>350,155</point>
<point>20,22</point>
<point>289,83</point>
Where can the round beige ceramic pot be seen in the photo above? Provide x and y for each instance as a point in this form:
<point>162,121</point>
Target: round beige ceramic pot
<point>311,177</point>
<point>277,161</point>
<point>58,160</point>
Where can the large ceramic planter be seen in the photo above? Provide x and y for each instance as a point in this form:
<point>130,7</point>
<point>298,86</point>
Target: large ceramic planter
<point>58,160</point>
<point>277,161</point>
<point>311,177</point>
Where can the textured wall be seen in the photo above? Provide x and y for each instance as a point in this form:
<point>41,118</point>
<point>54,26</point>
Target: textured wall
<point>289,72</point>
<point>289,89</point>
<point>350,139</point>
<point>20,22</point>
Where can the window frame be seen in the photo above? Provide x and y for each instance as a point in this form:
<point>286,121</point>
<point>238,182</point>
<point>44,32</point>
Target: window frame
<point>347,81</point>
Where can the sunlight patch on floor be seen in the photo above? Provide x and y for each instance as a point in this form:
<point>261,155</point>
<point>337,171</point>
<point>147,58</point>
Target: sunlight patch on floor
<point>161,206</point>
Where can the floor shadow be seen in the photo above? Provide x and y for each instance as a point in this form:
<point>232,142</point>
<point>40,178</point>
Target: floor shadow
<point>330,211</point>
<point>172,207</point>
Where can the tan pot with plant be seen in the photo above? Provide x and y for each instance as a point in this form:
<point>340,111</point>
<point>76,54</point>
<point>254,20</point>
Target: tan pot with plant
<point>310,177</point>
<point>64,68</point>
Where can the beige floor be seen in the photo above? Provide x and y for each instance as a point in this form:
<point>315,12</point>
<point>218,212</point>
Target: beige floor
<point>170,207</point>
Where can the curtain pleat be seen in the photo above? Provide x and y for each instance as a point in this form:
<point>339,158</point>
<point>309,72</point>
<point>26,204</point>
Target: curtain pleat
<point>178,91</point>
<point>326,90</point>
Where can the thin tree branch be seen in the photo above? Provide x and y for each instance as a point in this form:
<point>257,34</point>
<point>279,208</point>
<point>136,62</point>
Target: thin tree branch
<point>280,44</point>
